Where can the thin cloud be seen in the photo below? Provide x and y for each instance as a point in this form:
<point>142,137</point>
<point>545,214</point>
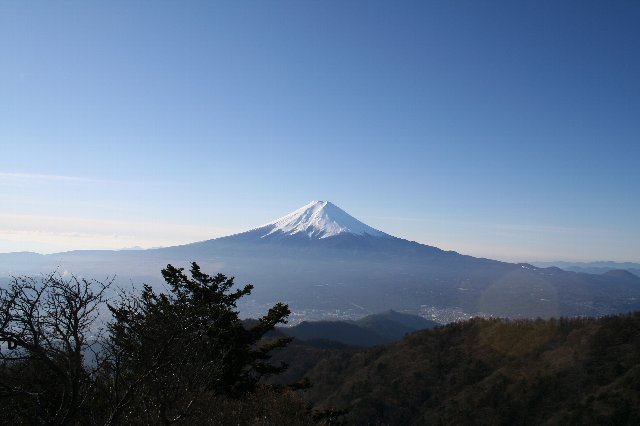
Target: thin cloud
<point>6,176</point>
<point>48,234</point>
<point>522,229</point>
<point>397,218</point>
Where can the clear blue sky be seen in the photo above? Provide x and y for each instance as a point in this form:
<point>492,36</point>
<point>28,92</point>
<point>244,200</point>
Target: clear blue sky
<point>508,129</point>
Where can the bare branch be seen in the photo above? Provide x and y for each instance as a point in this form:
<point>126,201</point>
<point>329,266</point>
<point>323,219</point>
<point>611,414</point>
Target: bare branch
<point>47,323</point>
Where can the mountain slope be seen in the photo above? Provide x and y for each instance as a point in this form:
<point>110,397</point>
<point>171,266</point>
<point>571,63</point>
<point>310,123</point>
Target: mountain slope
<point>372,330</point>
<point>345,332</point>
<point>317,224</point>
<point>485,371</point>
<point>594,267</point>
<point>320,260</point>
<point>392,325</point>
<point>317,220</point>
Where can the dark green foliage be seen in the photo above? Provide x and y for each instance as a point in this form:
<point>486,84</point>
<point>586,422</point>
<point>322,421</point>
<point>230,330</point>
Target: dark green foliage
<point>485,371</point>
<point>264,407</point>
<point>372,330</point>
<point>346,333</point>
<point>179,356</point>
<point>169,350</point>
<point>184,356</point>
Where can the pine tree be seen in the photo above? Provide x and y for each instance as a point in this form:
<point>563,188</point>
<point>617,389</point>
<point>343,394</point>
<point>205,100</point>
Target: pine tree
<point>177,347</point>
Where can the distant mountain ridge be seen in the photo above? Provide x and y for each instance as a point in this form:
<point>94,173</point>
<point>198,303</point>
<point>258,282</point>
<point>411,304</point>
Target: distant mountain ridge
<point>372,330</point>
<point>600,267</point>
<point>322,261</point>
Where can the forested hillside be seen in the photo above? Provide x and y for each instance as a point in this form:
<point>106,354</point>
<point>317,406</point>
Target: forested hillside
<point>372,330</point>
<point>485,371</point>
<point>185,356</point>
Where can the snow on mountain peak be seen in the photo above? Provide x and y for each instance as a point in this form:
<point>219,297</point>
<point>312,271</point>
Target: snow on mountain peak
<point>318,220</point>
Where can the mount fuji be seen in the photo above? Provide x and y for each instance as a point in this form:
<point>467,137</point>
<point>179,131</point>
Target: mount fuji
<point>319,223</point>
<point>317,220</point>
<point>320,226</point>
<point>328,264</point>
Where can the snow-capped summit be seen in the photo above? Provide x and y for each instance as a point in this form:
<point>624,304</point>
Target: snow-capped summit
<point>317,220</point>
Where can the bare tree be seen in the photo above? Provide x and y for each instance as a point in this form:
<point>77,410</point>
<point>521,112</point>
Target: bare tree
<point>48,329</point>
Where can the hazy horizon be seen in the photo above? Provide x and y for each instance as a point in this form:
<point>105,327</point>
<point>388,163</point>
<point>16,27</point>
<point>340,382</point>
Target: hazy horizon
<point>180,242</point>
<point>499,130</point>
